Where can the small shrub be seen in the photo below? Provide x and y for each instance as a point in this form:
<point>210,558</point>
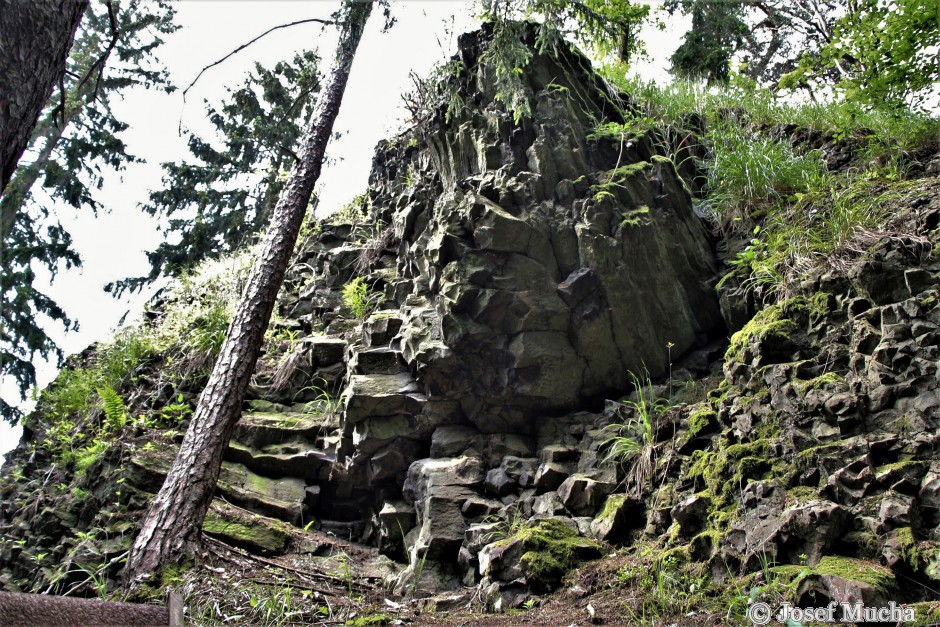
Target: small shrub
<point>89,455</point>
<point>115,410</point>
<point>635,442</point>
<point>356,297</point>
<point>352,212</point>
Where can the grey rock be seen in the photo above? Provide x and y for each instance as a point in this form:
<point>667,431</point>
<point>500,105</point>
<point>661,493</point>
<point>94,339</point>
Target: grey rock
<point>583,495</point>
<point>502,560</point>
<point>550,476</point>
<point>452,440</point>
<point>326,350</point>
<point>808,529</point>
<point>381,395</point>
<point>547,504</point>
<point>620,514</point>
<point>895,511</point>
<point>558,453</point>
<point>498,482</point>
<point>691,513</point>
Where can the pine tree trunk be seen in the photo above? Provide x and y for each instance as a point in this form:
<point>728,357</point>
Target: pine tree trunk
<point>35,37</point>
<point>172,525</point>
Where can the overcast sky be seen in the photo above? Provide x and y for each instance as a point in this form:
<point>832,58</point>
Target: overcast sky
<point>112,246</point>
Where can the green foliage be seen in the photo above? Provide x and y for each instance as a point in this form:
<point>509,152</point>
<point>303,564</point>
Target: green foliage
<point>87,456</point>
<point>197,312</point>
<point>718,29</point>
<point>690,105</point>
<point>550,548</point>
<point>634,127</point>
<point>353,212</point>
<point>175,413</point>
<point>115,410</point>
<point>754,179</point>
<point>768,37</point>
<point>883,53</point>
<point>216,202</point>
<point>75,142</point>
<point>503,528</point>
<point>186,334</point>
<point>68,402</point>
<point>610,27</point>
<point>746,173</point>
<point>669,586</point>
<point>325,402</point>
<point>75,390</point>
<point>635,442</point>
<point>356,297</point>
<point>508,55</point>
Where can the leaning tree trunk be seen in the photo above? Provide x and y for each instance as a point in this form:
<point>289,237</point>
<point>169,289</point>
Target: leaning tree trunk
<point>35,37</point>
<point>171,527</point>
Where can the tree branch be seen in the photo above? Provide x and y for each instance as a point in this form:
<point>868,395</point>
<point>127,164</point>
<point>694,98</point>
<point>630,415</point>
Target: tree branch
<point>245,45</point>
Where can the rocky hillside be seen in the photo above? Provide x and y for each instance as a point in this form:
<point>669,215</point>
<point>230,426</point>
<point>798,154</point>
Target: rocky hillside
<point>440,412</point>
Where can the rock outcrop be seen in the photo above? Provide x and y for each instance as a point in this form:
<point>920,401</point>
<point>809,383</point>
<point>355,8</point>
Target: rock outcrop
<point>549,264</point>
<point>518,273</point>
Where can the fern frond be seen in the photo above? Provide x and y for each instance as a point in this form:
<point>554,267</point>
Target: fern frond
<point>115,410</point>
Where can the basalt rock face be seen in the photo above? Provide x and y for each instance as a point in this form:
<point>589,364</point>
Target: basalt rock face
<point>549,265</point>
<point>517,272</point>
<point>535,268</point>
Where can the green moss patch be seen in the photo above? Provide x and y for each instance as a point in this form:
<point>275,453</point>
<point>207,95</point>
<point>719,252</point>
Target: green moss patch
<point>872,573</point>
<point>802,494</point>
<point>612,506</point>
<point>254,533</point>
<point>822,381</point>
<point>775,324</point>
<point>850,568</point>
<point>550,549</point>
<point>720,472</point>
<point>369,621</point>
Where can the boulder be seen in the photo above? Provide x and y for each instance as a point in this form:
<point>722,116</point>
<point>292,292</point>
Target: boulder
<point>692,513</point>
<point>498,482</point>
<point>257,534</point>
<point>438,488</point>
<point>381,395</point>
<point>802,532</point>
<point>582,495</point>
<point>621,513</point>
<point>395,520</point>
<point>550,475</point>
<point>848,581</point>
<point>541,284</point>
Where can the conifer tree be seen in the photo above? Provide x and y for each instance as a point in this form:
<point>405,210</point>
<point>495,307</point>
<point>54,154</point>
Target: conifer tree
<point>218,200</point>
<point>76,140</point>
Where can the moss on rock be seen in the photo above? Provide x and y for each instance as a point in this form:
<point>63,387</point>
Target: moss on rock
<point>550,548</point>
<point>818,383</point>
<point>871,573</point>
<point>256,533</point>
<point>769,323</point>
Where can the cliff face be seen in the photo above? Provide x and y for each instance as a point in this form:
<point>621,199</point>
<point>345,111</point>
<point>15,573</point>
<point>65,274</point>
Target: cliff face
<point>517,274</point>
<point>549,266</point>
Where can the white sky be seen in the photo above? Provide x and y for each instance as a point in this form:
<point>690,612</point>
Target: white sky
<point>112,246</point>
